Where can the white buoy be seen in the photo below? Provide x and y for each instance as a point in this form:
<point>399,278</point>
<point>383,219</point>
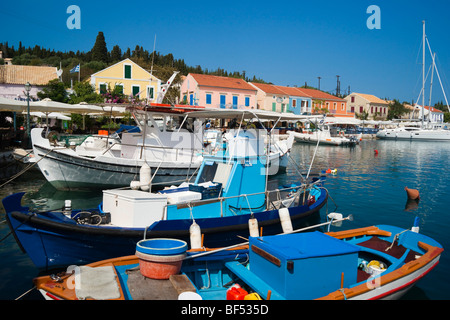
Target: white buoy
<point>145,177</point>
<point>134,185</point>
<point>195,236</point>
<point>286,223</point>
<point>253,227</point>
<point>335,216</point>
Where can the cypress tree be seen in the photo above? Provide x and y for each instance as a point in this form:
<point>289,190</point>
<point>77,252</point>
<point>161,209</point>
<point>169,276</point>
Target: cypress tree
<point>99,51</point>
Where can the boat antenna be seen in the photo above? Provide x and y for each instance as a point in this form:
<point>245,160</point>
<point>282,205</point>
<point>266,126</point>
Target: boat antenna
<point>423,71</point>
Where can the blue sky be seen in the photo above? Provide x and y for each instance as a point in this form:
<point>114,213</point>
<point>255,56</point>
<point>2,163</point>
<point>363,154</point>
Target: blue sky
<point>284,42</point>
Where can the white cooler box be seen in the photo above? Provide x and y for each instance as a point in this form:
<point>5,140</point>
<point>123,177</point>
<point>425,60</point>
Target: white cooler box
<point>183,196</point>
<point>134,208</point>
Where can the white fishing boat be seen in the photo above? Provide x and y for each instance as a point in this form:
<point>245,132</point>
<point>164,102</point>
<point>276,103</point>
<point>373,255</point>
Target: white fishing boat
<point>323,136</point>
<point>172,150</point>
<point>427,131</point>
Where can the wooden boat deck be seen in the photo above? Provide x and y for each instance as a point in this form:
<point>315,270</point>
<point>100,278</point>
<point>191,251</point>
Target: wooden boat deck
<point>143,288</point>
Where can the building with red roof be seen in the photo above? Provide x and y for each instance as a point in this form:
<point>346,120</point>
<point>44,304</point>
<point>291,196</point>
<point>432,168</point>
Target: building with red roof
<point>218,92</point>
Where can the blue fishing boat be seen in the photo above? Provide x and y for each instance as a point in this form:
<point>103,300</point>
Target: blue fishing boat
<point>229,192</point>
<point>378,262</point>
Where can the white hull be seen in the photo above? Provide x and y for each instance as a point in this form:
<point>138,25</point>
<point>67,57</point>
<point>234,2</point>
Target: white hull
<point>414,134</point>
<point>64,169</point>
<point>322,137</point>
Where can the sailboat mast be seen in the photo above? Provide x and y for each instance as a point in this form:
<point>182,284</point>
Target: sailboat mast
<point>423,71</point>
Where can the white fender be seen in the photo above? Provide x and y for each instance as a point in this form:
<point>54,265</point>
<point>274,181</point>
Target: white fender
<point>253,227</point>
<point>285,220</point>
<point>195,236</point>
<point>145,177</point>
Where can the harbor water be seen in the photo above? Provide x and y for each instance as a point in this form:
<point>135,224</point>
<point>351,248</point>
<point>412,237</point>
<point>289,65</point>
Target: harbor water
<point>367,184</point>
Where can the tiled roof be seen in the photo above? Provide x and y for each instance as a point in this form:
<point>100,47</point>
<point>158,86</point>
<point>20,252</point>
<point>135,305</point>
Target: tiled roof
<point>36,75</point>
<point>371,98</point>
<point>432,109</point>
<point>268,88</point>
<point>221,82</point>
<point>293,91</point>
<point>317,94</point>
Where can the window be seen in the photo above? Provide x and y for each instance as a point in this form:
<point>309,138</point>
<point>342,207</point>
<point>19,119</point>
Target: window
<point>102,88</point>
<point>127,71</point>
<point>150,92</point>
<point>294,103</point>
<point>342,107</point>
<point>352,109</point>
<point>353,98</point>
<point>371,109</point>
<point>222,101</point>
<point>135,91</point>
<point>208,98</point>
<point>235,102</point>
<point>247,101</point>
<point>361,109</point>
<point>335,106</point>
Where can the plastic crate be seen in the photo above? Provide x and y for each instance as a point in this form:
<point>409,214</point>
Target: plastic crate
<point>208,192</point>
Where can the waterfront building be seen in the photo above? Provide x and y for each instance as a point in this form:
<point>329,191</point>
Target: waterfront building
<point>218,92</point>
<point>272,98</point>
<point>132,79</point>
<point>299,101</point>
<point>361,103</point>
<point>325,102</point>
<point>14,77</point>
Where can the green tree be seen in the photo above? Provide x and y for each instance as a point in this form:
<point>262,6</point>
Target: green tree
<point>396,110</point>
<point>85,92</point>
<point>99,51</point>
<point>116,54</point>
<point>54,90</point>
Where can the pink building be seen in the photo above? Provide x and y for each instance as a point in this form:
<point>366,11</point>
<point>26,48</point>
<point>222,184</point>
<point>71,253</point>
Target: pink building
<point>217,92</point>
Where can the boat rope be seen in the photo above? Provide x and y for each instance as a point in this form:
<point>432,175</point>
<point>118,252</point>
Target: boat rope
<point>4,238</point>
<point>343,293</point>
<point>25,169</point>
<point>395,239</point>
<point>24,294</point>
<point>12,162</point>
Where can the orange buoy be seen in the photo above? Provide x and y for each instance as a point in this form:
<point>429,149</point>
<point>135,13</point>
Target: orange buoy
<point>328,171</point>
<point>413,194</point>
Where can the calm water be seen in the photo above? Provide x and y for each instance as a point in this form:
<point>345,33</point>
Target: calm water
<point>367,185</point>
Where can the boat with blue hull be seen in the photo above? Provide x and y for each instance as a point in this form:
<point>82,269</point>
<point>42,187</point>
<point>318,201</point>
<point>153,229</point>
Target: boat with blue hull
<point>228,191</point>
<point>378,262</point>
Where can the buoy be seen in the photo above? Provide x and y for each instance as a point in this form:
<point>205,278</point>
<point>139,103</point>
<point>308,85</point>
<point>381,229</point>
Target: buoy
<point>334,172</point>
<point>412,194</point>
<point>145,177</point>
<point>376,151</point>
<point>195,236</point>
<point>134,185</point>
<point>328,171</point>
<point>253,227</point>
<point>285,219</point>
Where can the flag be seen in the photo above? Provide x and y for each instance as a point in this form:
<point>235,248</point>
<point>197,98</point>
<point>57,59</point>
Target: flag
<point>76,69</point>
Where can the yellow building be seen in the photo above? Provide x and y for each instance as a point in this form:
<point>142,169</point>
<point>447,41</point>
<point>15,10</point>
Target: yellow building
<point>133,79</point>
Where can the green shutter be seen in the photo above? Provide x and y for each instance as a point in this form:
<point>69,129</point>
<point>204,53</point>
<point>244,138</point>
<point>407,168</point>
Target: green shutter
<point>127,72</point>
<point>102,88</point>
<point>135,91</point>
<point>274,106</point>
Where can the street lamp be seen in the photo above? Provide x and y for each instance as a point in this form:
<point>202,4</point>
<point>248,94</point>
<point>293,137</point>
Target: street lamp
<point>27,89</point>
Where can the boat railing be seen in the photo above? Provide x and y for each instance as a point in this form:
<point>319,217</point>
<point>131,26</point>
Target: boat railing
<point>190,151</point>
<point>273,204</point>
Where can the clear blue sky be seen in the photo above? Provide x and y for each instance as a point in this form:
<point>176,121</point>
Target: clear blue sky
<point>284,42</point>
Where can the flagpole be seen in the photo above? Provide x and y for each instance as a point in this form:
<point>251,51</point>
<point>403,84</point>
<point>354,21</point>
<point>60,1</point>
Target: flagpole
<point>79,71</point>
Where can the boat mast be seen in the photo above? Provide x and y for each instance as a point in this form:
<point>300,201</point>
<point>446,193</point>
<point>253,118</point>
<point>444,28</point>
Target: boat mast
<point>423,71</point>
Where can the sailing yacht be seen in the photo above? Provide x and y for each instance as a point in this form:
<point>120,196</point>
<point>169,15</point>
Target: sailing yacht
<point>426,131</point>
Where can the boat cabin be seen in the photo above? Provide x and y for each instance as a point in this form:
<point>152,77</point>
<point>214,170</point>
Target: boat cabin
<point>229,184</point>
